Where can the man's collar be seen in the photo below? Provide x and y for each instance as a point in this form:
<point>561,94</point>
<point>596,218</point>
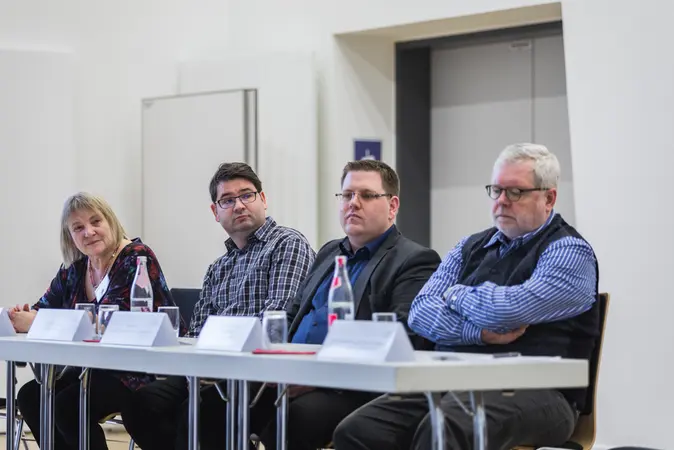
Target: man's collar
<point>260,235</point>
<point>371,246</point>
<point>503,239</point>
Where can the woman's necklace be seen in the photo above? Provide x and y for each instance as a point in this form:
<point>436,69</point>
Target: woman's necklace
<point>107,267</point>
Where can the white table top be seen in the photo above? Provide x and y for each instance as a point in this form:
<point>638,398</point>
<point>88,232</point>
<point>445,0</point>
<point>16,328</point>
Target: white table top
<point>427,373</point>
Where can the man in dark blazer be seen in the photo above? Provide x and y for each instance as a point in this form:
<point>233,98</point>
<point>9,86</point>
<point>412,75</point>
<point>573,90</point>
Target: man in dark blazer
<point>386,271</point>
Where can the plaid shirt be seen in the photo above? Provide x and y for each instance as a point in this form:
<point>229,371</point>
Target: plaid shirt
<point>264,275</point>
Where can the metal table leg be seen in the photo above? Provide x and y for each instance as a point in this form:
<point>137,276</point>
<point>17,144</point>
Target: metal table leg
<point>11,407</point>
<point>194,395</point>
<point>85,377</point>
<point>230,426</point>
<point>282,418</point>
<point>19,435</point>
<point>244,428</point>
<point>479,421</point>
<point>437,420</point>
<point>47,378</point>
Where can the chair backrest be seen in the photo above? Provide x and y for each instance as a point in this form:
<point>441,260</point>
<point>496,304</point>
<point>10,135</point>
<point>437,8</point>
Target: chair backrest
<point>185,299</point>
<point>595,360</point>
<point>584,433</point>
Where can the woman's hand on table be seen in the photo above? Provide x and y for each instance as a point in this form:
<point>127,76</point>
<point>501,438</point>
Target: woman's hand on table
<point>22,320</point>
<point>17,308</point>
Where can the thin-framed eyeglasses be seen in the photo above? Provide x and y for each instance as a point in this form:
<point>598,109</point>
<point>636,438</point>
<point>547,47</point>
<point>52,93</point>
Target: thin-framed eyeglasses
<point>513,194</point>
<point>229,202</point>
<point>347,196</point>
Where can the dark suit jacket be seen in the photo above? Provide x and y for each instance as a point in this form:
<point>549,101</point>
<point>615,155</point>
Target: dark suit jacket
<point>389,282</point>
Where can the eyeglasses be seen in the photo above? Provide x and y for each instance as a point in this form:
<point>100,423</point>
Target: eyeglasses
<point>346,197</point>
<point>513,194</point>
<point>229,202</point>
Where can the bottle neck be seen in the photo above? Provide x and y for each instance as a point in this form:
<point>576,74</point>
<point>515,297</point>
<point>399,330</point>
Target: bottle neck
<point>141,264</point>
<point>142,277</point>
<point>340,265</point>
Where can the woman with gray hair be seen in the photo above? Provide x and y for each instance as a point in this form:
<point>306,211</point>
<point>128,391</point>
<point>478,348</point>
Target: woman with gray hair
<point>99,265</point>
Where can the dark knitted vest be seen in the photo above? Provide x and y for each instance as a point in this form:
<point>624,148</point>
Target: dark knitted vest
<point>570,338</point>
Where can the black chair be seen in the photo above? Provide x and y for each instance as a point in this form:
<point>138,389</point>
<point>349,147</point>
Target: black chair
<point>632,448</point>
<point>185,299</point>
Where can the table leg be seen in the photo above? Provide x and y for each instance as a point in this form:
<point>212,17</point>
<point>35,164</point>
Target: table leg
<point>244,429</point>
<point>11,407</point>
<point>84,408</point>
<point>437,420</point>
<point>194,389</point>
<point>282,418</point>
<point>230,426</point>
<point>479,421</point>
<point>47,378</point>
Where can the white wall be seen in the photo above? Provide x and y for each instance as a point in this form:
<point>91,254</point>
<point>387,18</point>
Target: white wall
<point>37,167</point>
<point>37,156</point>
<point>620,69</point>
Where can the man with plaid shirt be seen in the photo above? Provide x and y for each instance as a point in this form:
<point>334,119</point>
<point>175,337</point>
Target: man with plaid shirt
<point>262,270</point>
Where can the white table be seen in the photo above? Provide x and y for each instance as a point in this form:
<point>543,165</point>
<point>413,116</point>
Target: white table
<point>474,373</point>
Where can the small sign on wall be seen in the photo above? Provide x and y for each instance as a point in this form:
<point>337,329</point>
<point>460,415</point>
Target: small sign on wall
<point>367,149</point>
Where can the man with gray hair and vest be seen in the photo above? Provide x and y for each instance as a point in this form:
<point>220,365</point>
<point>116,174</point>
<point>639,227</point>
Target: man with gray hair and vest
<point>528,286</point>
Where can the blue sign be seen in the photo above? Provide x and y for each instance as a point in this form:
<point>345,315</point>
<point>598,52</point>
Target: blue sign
<point>367,149</point>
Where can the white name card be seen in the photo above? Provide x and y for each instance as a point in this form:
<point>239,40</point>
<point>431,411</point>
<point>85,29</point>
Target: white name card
<point>61,325</point>
<point>6,327</point>
<point>139,329</point>
<point>362,340</point>
<point>231,334</point>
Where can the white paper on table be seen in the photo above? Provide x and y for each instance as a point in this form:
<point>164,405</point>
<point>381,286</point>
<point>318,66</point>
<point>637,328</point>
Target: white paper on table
<point>6,327</point>
<point>61,325</point>
<point>366,341</point>
<point>139,329</point>
<point>230,333</point>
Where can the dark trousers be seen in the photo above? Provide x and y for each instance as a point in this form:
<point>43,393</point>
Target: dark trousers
<point>153,413</point>
<point>107,395</point>
<point>157,418</point>
<point>312,417</point>
<point>535,417</point>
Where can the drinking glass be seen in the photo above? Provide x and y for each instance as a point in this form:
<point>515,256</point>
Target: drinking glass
<point>384,317</point>
<point>275,327</point>
<point>173,312</point>
<point>104,315</point>
<point>90,308</point>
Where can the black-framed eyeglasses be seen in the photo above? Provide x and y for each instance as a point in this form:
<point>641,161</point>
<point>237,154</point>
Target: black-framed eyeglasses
<point>346,197</point>
<point>229,202</point>
<point>513,194</point>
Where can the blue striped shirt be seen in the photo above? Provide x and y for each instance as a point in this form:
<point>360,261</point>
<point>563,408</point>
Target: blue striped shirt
<point>562,285</point>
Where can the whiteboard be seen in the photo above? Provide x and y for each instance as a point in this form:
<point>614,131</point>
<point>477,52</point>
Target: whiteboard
<point>185,139</point>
